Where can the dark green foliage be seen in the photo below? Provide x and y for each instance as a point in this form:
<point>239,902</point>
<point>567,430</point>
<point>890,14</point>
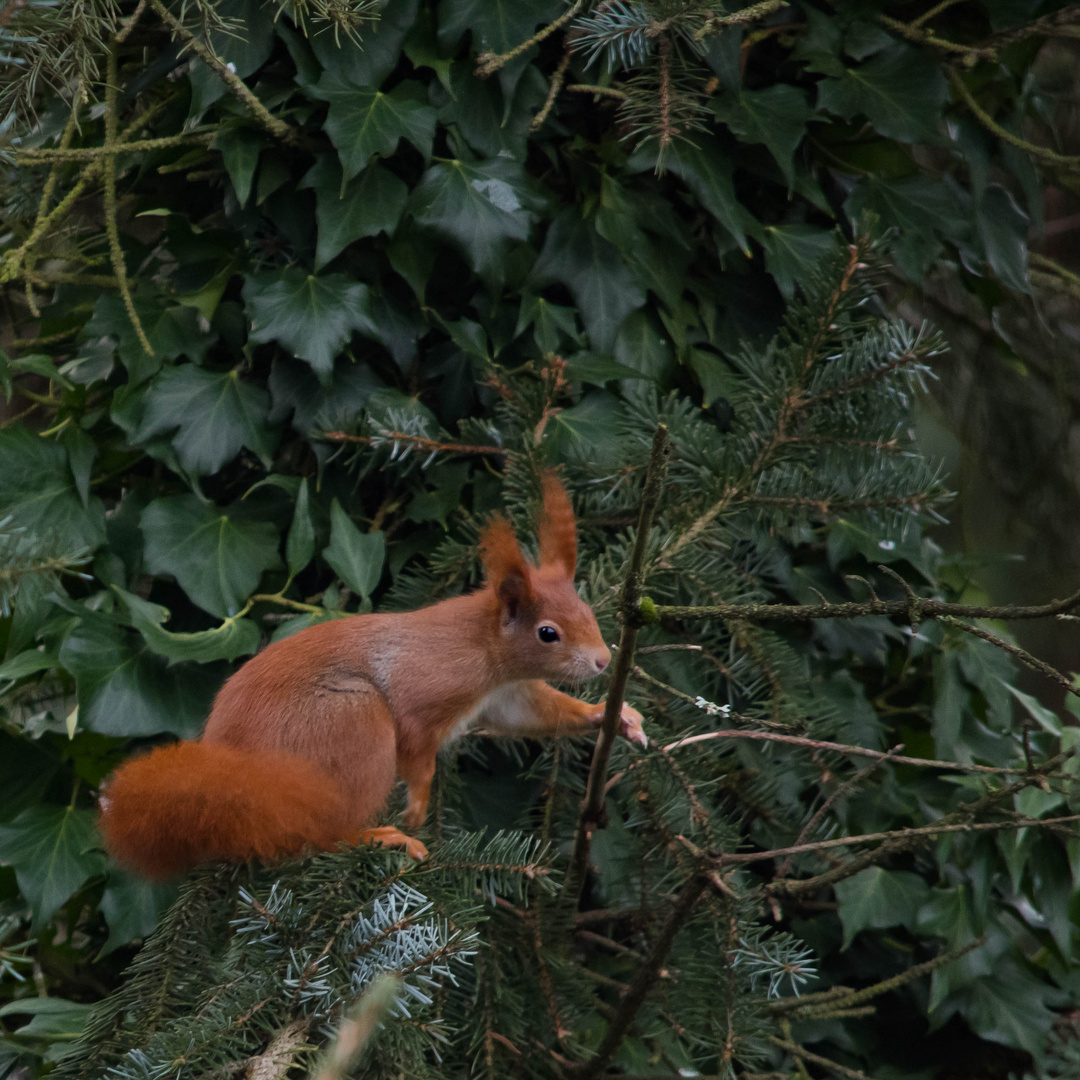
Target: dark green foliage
<point>348,315</point>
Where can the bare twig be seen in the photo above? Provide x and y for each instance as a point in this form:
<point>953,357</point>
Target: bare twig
<point>592,807</point>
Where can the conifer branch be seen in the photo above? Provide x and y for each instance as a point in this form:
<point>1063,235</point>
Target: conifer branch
<point>419,441</point>
<point>277,128</point>
<point>719,23</point>
<point>112,228</point>
<point>843,997</point>
<point>592,806</point>
<point>645,976</point>
<point>914,608</point>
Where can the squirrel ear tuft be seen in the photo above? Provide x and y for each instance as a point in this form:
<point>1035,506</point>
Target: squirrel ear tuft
<point>505,567</point>
<point>558,537</point>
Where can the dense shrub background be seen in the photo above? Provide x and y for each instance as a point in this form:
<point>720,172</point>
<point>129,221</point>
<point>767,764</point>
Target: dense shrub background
<point>403,255</point>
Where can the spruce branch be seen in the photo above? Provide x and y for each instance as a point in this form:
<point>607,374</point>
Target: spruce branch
<point>843,997</point>
<point>592,807</point>
<point>718,23</point>
<point>647,973</point>
<point>277,128</point>
<point>488,63</point>
<point>914,608</point>
<point>1041,153</point>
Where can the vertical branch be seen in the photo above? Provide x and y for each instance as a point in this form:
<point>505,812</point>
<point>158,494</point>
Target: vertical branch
<point>592,807</point>
<point>643,979</point>
<point>112,229</point>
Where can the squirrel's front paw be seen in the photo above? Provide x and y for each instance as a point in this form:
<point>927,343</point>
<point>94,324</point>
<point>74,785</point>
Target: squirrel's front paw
<point>630,726</point>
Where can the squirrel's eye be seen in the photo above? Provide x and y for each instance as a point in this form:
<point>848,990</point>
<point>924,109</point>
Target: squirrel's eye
<point>548,634</point>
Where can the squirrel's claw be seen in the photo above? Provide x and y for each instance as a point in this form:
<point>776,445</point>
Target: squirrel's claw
<point>630,727</point>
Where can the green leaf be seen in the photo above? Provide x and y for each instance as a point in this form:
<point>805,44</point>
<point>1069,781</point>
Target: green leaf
<point>708,174</point>
<point>641,346</point>
<point>26,768</point>
<point>591,368</point>
<point>132,907</point>
<point>244,52</point>
<point>1003,228</point>
<point>588,431</point>
<point>313,317</point>
<point>218,558</point>
<point>356,557</point>
<point>173,331</point>
<point>39,493</point>
<point>578,257</point>
<point>209,415</point>
<point>775,116</point>
<point>300,546</point>
<point>482,207</point>
<point>1012,1007</point>
<point>364,122</point>
<point>876,899</point>
<point>53,850</point>
<point>497,25</point>
<point>125,689</point>
<point>368,205</point>
<point>240,148</point>
<point>550,322</point>
<point>793,252</point>
<point>901,91</point>
<point>53,1018</point>
<point>233,638</point>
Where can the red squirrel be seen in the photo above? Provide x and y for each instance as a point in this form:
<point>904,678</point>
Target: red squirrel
<point>304,741</point>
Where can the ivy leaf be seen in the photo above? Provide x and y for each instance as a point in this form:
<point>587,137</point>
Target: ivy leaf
<point>641,346</point>
<point>245,53</point>
<point>300,546</point>
<point>357,558</point>
<point>26,768</point>
<point>240,148</point>
<point>313,317</point>
<point>593,270</point>
<point>124,689</point>
<point>132,907</point>
<point>53,851</point>
<point>875,899</point>
<point>482,207</point>
<point>901,91</point>
<point>233,638</point>
<point>218,558</point>
<point>53,1018</point>
<point>209,415</point>
<point>792,252</point>
<point>1003,229</point>
<point>708,174</point>
<point>38,492</point>
<point>775,116</point>
<point>591,368</point>
<point>368,205</point>
<point>363,122</point>
<point>498,25</point>
<point>550,322</point>
<point>172,329</point>
<point>1015,1008</point>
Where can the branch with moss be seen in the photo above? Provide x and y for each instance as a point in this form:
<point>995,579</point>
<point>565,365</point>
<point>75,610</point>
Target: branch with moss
<point>277,128</point>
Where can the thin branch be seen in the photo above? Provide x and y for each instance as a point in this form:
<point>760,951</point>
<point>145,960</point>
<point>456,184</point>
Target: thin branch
<point>1020,822</point>
<point>1025,658</point>
<point>644,977</point>
<point>844,997</point>
<point>1043,153</point>
<point>592,807</point>
<point>278,128</point>
<point>719,23</point>
<point>557,81</point>
<point>816,1059</point>
<point>112,228</point>
<point>419,441</point>
<point>488,63</point>
<point>914,608</point>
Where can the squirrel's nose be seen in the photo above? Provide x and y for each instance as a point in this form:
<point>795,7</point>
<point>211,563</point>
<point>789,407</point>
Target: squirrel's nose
<point>601,661</point>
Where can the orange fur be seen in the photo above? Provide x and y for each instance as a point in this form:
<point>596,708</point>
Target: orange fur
<point>557,533</point>
<point>303,743</point>
<point>195,802</point>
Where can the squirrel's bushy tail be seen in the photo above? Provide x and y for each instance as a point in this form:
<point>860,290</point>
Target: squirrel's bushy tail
<point>197,802</point>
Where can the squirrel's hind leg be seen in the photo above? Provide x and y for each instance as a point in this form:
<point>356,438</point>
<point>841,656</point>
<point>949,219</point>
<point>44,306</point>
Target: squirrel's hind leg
<point>388,836</point>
